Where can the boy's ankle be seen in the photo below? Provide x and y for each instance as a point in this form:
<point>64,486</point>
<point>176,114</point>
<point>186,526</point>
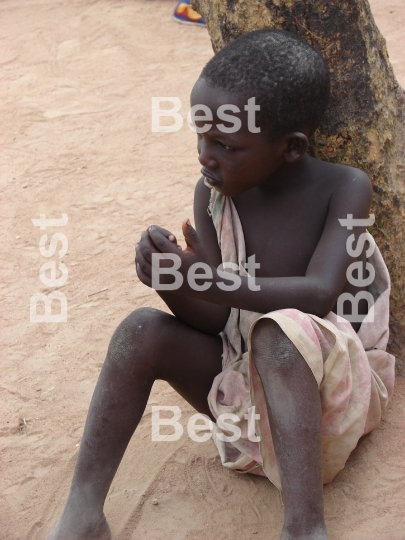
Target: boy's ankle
<point>306,528</point>
<point>85,501</point>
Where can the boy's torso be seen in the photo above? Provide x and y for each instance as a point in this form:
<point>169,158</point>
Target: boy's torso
<point>282,227</point>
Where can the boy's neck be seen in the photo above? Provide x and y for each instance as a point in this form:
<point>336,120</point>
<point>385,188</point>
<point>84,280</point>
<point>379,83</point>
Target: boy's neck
<point>288,175</point>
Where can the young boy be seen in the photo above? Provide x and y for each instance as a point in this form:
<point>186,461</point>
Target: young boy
<point>317,381</point>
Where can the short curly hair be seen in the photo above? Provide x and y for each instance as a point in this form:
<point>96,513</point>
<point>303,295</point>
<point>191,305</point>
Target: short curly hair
<point>287,76</point>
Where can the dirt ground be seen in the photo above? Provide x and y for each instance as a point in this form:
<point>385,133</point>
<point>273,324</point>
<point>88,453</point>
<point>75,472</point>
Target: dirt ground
<point>77,82</point>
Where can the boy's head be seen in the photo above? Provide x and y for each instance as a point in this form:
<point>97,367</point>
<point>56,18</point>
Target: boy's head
<point>288,78</point>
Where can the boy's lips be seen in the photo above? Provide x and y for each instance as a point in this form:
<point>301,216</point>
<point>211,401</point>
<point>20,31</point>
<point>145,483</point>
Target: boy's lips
<point>210,179</point>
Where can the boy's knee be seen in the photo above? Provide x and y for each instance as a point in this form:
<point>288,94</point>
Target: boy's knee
<point>271,348</point>
<point>136,334</point>
<point>142,320</point>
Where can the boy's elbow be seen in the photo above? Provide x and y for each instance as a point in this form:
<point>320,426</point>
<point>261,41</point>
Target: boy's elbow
<point>213,322</point>
<point>209,327</point>
<point>215,327</point>
<point>323,302</point>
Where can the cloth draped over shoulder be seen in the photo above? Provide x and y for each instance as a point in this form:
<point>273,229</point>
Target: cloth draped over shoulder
<point>354,373</point>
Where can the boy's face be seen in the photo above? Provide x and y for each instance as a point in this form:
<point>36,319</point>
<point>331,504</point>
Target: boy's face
<point>233,162</point>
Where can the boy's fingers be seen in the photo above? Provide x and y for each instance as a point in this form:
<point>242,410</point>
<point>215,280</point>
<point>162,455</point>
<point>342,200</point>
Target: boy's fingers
<point>161,242</point>
<point>146,246</point>
<point>142,262</point>
<point>170,236</point>
<point>144,278</point>
<point>190,235</point>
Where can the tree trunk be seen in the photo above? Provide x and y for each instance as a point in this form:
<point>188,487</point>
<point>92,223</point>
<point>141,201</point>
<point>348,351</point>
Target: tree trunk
<point>364,125</point>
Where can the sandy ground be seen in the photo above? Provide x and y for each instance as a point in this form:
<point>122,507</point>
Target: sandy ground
<point>77,81</point>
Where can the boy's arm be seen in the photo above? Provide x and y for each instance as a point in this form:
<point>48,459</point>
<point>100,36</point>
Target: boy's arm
<point>325,278</point>
<point>204,316</point>
<point>201,315</point>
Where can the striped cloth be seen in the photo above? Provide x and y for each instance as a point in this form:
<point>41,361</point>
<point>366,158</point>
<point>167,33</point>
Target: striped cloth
<point>355,374</point>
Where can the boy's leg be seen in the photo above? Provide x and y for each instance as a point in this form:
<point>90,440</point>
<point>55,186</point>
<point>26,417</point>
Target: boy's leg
<point>146,346</point>
<point>294,409</point>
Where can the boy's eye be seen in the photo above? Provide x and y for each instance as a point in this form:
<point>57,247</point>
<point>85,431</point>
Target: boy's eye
<point>225,147</point>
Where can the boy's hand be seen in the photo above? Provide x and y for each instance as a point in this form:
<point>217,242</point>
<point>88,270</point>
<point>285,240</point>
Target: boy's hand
<point>143,254</point>
<point>161,241</point>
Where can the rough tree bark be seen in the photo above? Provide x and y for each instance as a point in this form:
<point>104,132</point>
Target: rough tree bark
<point>364,125</point>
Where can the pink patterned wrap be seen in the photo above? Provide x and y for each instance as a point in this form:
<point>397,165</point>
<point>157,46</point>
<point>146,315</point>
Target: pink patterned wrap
<point>355,374</point>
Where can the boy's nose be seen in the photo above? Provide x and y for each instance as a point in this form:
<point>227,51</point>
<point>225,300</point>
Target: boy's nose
<point>205,156</point>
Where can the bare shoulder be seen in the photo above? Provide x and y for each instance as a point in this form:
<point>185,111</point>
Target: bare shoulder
<point>350,188</point>
<point>348,179</point>
<point>203,222</point>
<point>202,195</point>
<point>202,192</point>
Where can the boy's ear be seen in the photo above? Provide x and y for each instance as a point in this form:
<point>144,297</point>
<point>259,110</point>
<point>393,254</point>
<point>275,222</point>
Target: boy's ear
<point>297,145</point>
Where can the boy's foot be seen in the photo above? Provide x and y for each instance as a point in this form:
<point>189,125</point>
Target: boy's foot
<point>80,526</point>
<point>185,14</point>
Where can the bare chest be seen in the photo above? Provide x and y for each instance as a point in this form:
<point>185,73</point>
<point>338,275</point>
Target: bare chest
<point>282,233</point>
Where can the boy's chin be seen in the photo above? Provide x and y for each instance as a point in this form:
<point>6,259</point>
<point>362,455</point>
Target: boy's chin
<point>230,191</point>
<point>225,192</point>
